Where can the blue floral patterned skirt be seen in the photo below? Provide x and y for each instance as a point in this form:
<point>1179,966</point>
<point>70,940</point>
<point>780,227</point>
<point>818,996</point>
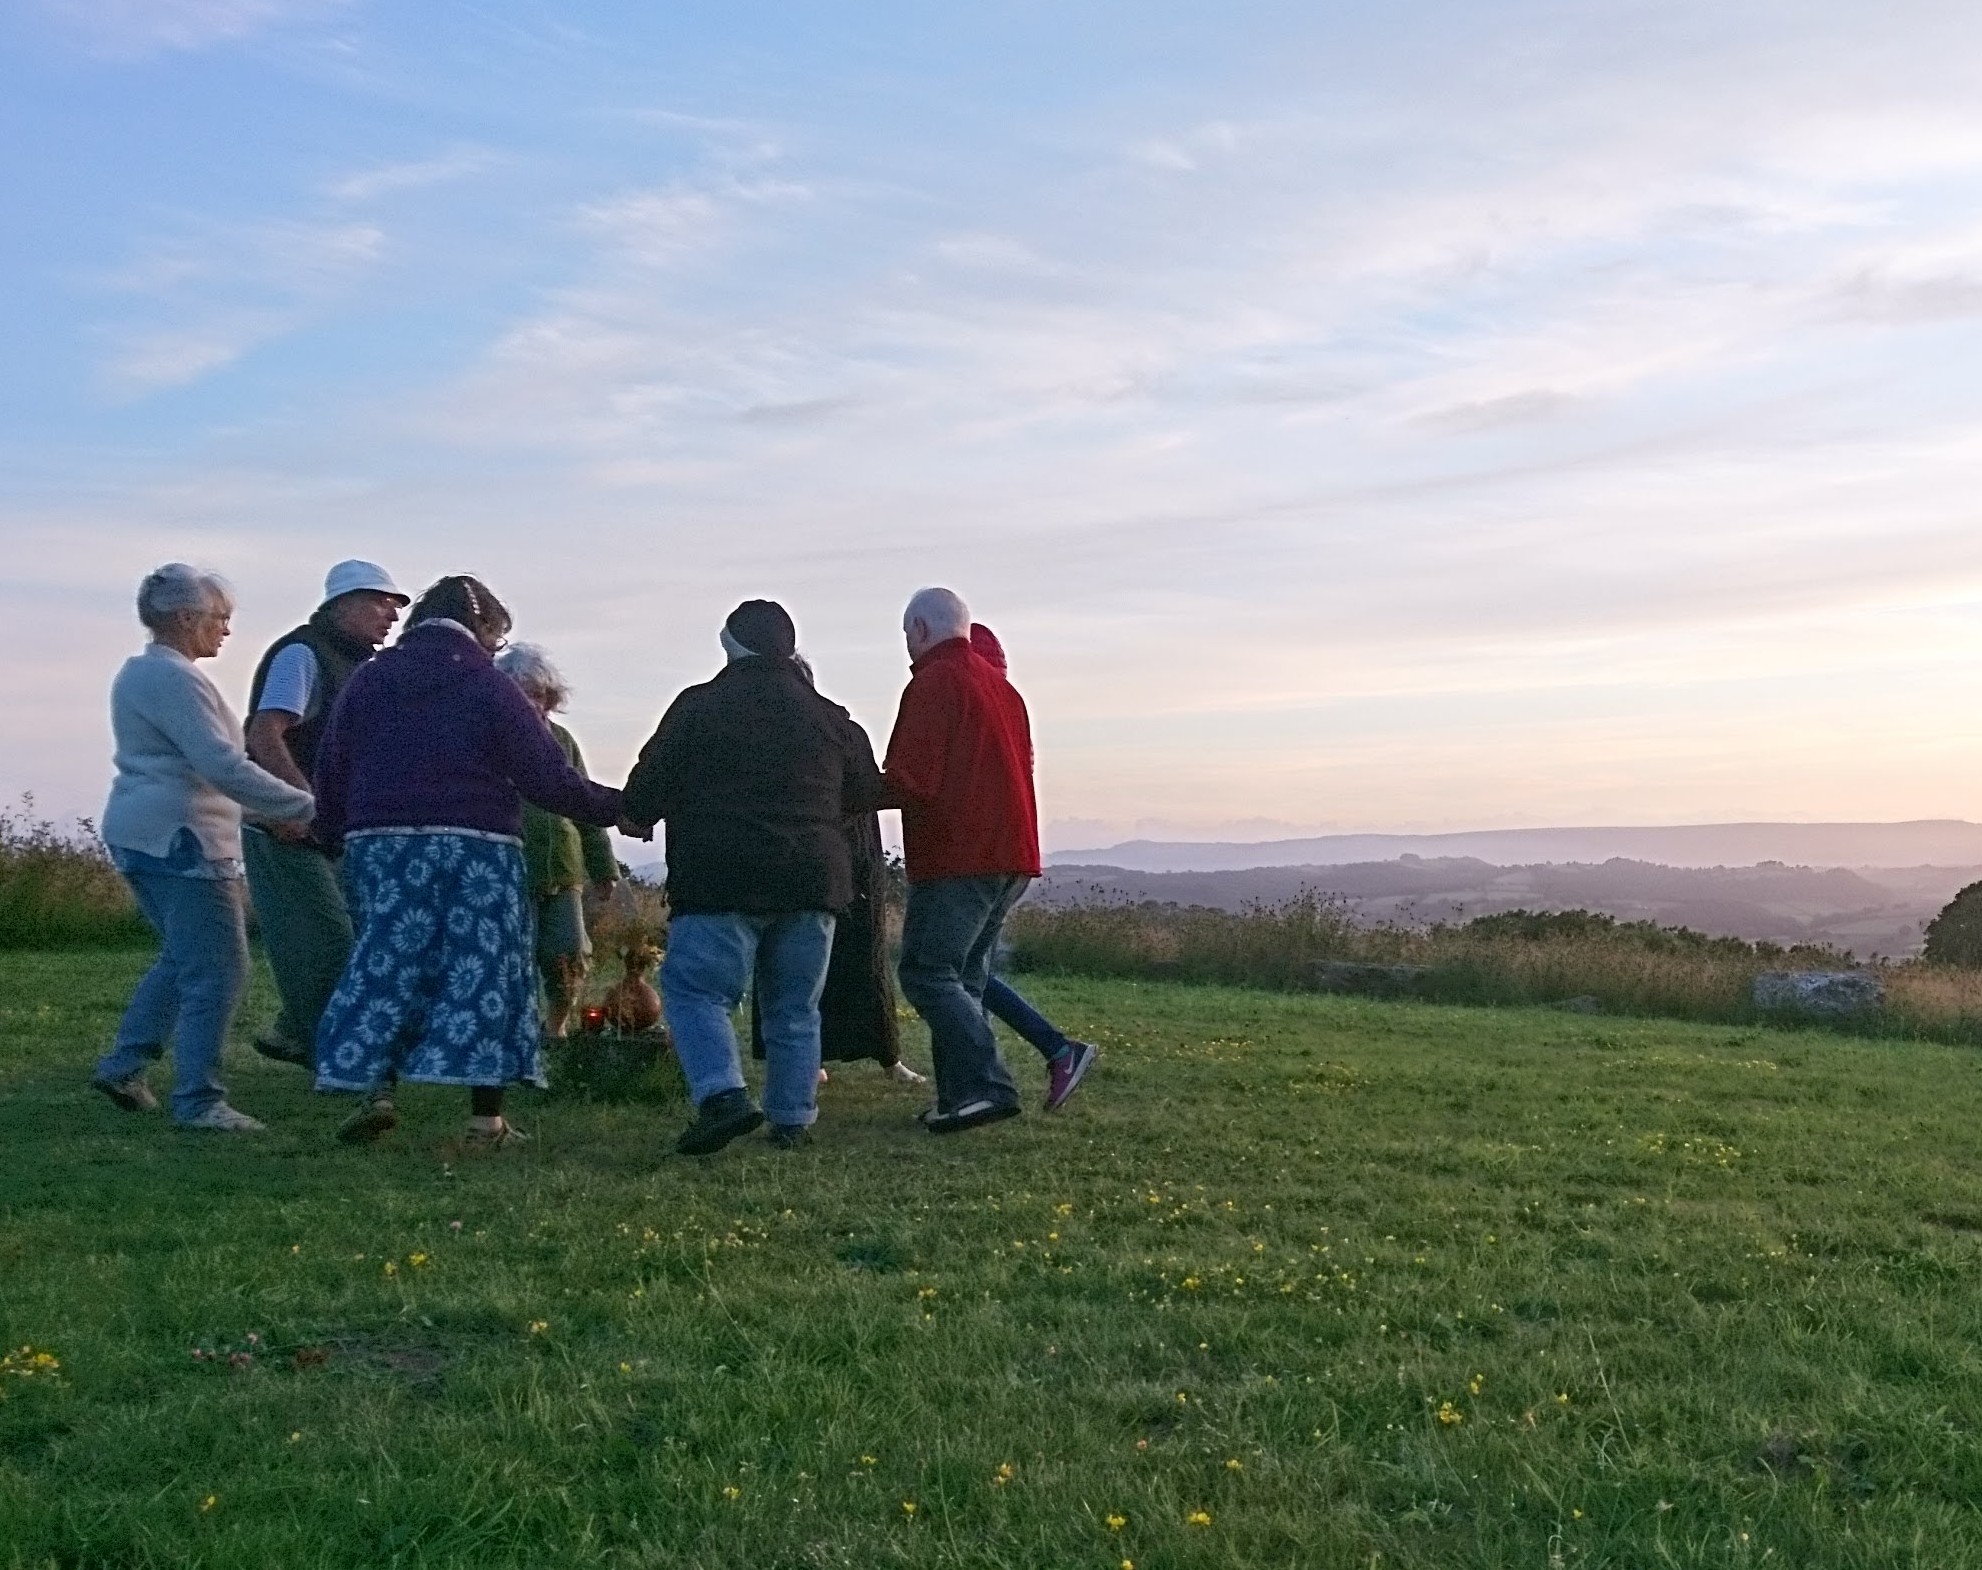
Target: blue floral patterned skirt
<point>442,985</point>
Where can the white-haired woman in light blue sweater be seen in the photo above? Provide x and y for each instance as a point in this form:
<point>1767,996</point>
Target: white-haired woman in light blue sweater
<point>173,827</point>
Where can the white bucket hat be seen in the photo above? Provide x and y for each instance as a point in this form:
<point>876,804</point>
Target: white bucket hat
<point>348,577</point>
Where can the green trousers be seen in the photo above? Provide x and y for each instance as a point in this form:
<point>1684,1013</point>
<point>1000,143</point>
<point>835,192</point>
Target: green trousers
<point>305,927</point>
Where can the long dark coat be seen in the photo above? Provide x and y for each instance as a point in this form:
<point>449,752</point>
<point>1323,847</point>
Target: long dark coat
<point>857,1010</point>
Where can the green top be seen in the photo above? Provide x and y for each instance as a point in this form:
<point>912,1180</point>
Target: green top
<point>558,853</point>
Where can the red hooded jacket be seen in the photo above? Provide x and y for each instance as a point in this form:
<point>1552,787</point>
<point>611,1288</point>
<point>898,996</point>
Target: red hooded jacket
<point>960,765</point>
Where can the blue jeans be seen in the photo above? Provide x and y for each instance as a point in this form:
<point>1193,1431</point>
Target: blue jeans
<point>189,996</point>
<point>708,968</point>
<point>1004,1003</point>
<point>949,934</point>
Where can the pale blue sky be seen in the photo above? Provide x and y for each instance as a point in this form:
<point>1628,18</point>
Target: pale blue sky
<point>1351,416</point>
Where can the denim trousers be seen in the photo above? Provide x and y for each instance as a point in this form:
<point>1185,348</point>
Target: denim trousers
<point>189,996</point>
<point>949,934</point>
<point>710,960</point>
<point>1004,1003</point>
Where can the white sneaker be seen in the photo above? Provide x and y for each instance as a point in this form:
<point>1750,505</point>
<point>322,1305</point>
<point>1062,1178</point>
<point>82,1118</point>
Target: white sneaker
<point>220,1118</point>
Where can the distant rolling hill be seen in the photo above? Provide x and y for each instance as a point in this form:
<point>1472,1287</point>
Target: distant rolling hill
<point>1941,842</point>
<point>1866,910</point>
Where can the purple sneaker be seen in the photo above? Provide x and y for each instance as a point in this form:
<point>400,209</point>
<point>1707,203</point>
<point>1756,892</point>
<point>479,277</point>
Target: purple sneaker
<point>1065,1072</point>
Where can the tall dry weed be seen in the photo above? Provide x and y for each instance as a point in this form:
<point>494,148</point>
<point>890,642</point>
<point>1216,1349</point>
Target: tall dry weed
<point>1518,958</point>
<point>57,887</point>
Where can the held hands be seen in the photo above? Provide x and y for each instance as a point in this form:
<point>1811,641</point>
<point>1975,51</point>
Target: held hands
<point>290,831</point>
<point>635,831</point>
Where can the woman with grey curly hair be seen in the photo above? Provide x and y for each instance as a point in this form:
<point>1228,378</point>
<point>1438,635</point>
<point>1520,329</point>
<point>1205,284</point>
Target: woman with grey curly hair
<point>173,828</point>
<point>559,856</point>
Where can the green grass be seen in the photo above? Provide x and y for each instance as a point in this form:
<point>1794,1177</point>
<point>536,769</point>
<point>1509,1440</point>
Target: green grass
<point>1699,1296</point>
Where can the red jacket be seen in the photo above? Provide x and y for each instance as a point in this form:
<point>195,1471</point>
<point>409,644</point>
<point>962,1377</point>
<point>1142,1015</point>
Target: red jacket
<point>960,766</point>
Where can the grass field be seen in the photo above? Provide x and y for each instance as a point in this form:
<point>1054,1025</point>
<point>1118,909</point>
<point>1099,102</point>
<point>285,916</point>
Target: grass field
<point>1294,1281</point>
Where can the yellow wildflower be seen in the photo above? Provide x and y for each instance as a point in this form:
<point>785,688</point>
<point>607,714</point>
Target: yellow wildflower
<point>732,1492</point>
<point>1449,1416</point>
<point>27,1362</point>
<point>1198,1518</point>
<point>391,1268</point>
<point>1235,1465</point>
<point>539,1326</point>
<point>1477,1383</point>
<point>208,1503</point>
<point>1117,1522</point>
<point>908,1508</point>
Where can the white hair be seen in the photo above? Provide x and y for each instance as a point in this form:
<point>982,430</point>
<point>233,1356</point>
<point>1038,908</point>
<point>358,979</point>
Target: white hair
<point>175,588</point>
<point>942,611</point>
<point>530,668</point>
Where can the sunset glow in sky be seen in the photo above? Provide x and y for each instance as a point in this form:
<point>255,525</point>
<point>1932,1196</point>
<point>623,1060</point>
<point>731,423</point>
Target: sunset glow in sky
<point>1366,417</point>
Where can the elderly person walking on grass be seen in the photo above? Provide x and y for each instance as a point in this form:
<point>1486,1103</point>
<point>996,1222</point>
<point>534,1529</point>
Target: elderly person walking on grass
<point>1067,1060</point>
<point>959,766</point>
<point>560,857</point>
<point>173,828</point>
<point>755,774</point>
<point>299,901</point>
<point>422,776</point>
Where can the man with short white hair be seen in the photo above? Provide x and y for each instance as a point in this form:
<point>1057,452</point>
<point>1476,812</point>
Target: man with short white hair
<point>299,901</point>
<point>959,766</point>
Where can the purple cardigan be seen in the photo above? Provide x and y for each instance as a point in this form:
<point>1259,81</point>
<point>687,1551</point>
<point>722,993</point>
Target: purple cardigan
<point>429,734</point>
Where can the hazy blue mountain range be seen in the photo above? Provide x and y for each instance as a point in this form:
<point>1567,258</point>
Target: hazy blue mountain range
<point>1943,842</point>
<point>1866,887</point>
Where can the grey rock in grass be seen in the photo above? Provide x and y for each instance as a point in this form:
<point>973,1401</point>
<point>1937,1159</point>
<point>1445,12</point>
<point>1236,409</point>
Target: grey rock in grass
<point>1819,994</point>
<point>1372,981</point>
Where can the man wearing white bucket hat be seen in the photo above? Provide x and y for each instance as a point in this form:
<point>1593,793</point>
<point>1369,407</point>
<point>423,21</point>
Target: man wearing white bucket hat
<point>299,902</point>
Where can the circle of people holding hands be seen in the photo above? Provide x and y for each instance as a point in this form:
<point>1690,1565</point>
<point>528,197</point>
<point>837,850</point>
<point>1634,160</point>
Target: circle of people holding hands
<point>417,832</point>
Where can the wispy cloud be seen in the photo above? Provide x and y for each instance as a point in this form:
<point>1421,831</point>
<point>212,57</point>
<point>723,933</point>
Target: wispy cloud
<point>203,299</point>
<point>390,179</point>
<point>149,361</point>
<point>1191,150</point>
<point>737,141</point>
<point>654,228</point>
<point>140,27</point>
